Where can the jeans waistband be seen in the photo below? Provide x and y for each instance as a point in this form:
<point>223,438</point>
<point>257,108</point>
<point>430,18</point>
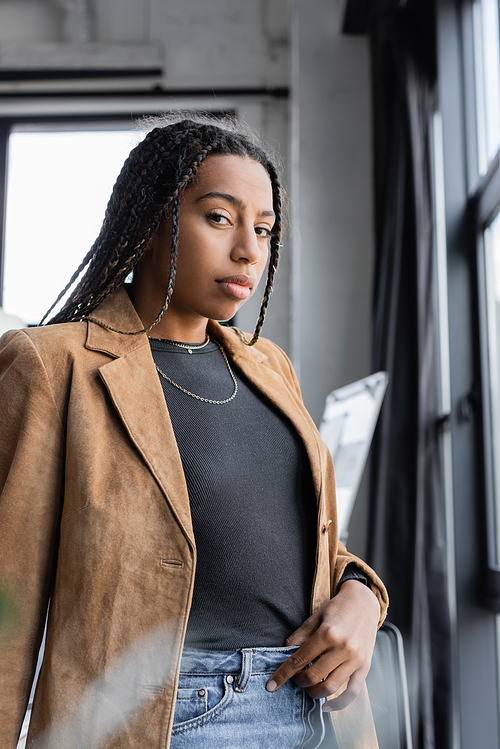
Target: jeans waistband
<point>242,663</point>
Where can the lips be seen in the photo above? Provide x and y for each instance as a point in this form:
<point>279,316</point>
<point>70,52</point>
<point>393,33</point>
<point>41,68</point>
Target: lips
<point>241,279</point>
<point>238,287</point>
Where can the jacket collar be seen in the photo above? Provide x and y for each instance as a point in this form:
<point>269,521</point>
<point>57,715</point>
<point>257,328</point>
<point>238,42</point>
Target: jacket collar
<point>233,345</point>
<point>117,311</point>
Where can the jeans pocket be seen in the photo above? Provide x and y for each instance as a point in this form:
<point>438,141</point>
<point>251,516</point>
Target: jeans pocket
<point>198,704</point>
<point>190,703</point>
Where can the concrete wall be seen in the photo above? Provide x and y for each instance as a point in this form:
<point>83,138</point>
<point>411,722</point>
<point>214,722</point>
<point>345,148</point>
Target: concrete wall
<point>212,43</point>
<point>209,44</point>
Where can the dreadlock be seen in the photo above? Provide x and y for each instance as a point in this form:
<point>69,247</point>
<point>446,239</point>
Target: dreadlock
<point>149,189</point>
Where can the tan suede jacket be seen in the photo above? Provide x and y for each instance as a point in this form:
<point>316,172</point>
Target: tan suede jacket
<point>95,518</point>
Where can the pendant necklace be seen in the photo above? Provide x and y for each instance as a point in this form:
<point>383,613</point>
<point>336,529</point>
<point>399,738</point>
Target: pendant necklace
<point>188,392</point>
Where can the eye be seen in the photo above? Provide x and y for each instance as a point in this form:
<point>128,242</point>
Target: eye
<point>263,231</point>
<point>218,218</point>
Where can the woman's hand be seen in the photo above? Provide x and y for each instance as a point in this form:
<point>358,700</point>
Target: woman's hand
<point>341,636</point>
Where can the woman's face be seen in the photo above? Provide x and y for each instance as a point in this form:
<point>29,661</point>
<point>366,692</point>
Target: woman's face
<point>226,218</point>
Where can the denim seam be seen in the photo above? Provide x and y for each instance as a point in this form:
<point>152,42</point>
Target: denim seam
<point>308,713</point>
<point>208,717</point>
<point>302,715</point>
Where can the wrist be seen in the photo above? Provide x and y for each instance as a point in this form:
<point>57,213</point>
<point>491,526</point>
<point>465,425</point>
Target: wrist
<point>354,588</point>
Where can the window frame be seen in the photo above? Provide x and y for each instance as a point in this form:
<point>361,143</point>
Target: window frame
<point>475,711</point>
<point>483,205</point>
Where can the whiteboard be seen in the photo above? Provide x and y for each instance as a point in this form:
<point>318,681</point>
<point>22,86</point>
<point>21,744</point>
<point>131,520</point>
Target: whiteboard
<point>347,427</point>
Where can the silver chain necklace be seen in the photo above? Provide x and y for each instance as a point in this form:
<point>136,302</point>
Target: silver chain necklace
<point>198,397</point>
<point>189,346</point>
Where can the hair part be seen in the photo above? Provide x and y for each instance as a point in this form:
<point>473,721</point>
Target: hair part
<point>149,189</point>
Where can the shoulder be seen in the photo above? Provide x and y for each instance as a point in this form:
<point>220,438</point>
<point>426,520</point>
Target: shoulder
<point>270,354</point>
<point>275,355</point>
<point>46,335</point>
<point>52,348</point>
<point>46,339</point>
<point>263,346</point>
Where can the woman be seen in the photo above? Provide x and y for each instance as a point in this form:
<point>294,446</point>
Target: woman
<point>111,500</point>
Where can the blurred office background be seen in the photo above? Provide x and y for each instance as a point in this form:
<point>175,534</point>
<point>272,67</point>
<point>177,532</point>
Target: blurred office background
<point>386,114</point>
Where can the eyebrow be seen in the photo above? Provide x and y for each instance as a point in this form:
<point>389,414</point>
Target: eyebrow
<point>233,200</point>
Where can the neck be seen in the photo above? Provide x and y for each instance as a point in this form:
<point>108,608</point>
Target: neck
<point>171,326</point>
<point>179,322</point>
<point>173,329</point>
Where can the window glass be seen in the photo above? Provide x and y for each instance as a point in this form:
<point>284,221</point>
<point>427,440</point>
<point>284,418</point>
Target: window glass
<point>487,68</point>
<point>57,190</point>
<point>492,266</point>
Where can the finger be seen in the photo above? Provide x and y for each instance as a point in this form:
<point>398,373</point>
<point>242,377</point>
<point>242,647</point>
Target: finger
<point>333,650</point>
<point>295,663</point>
<point>304,632</point>
<point>339,658</point>
<point>352,690</point>
<point>330,684</point>
<point>321,670</point>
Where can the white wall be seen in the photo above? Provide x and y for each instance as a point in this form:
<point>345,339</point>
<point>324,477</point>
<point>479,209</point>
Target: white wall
<point>333,201</point>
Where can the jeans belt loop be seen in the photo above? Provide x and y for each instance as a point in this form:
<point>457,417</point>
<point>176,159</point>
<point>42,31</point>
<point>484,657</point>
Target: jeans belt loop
<point>246,671</point>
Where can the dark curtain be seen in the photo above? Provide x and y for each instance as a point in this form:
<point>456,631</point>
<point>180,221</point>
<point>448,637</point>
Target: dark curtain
<point>407,541</point>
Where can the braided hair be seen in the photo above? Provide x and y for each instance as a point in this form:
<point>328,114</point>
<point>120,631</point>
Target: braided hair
<point>148,190</point>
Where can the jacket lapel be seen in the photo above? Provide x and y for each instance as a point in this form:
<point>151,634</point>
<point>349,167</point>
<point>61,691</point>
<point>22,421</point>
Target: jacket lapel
<point>255,366</point>
<point>133,386</point>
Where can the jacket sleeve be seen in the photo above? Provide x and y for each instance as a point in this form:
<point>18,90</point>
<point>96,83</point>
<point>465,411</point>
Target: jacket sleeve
<point>340,555</point>
<point>31,467</point>
<point>377,587</point>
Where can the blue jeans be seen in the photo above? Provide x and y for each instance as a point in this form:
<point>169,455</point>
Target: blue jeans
<point>222,702</point>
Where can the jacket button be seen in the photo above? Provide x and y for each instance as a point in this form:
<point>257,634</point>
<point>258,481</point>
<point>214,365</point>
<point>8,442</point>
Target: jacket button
<point>230,679</point>
<point>326,527</point>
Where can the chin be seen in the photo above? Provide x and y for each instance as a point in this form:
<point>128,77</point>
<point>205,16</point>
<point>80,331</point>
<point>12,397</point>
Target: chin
<point>223,314</point>
<point>225,319</point>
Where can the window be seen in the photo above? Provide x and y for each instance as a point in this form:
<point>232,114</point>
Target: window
<point>485,204</point>
<point>60,177</point>
<point>487,80</point>
<point>482,35</point>
<point>60,171</point>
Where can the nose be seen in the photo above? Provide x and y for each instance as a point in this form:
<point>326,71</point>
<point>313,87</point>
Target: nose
<point>247,246</point>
